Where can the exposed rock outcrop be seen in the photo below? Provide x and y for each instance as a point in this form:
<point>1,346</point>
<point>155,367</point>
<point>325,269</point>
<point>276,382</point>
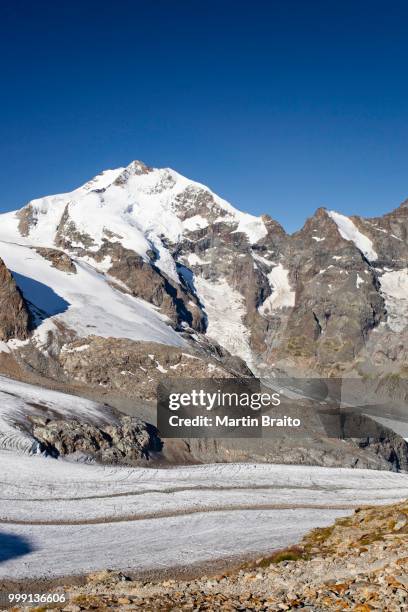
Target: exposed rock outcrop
<point>14,316</point>
<point>58,259</point>
<point>27,219</point>
<point>146,281</point>
<point>129,441</point>
<point>135,368</point>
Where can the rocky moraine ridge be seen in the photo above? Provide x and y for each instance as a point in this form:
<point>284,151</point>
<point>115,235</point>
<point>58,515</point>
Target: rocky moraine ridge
<point>141,274</point>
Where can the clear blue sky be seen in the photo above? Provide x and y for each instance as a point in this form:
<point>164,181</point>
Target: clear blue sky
<point>280,107</point>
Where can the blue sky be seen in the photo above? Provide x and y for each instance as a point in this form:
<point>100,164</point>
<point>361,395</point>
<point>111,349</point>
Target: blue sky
<point>280,107</point>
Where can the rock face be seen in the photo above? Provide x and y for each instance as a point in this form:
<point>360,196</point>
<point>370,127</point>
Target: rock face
<point>128,442</point>
<point>14,316</point>
<point>58,259</point>
<point>144,280</point>
<point>330,318</point>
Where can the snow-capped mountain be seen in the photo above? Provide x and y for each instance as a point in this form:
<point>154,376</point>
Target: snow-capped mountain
<point>143,255</point>
<point>131,232</point>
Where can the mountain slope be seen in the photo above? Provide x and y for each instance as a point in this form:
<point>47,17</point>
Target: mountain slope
<point>147,255</point>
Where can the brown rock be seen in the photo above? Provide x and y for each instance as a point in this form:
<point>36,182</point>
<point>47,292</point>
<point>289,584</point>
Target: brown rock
<point>59,259</point>
<point>14,315</point>
<point>128,440</point>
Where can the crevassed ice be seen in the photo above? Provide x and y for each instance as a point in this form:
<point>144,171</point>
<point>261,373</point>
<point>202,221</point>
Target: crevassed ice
<point>225,310</point>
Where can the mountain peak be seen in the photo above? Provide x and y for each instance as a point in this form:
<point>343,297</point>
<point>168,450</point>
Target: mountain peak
<point>404,204</point>
<point>140,208</point>
<point>205,266</point>
<point>135,168</point>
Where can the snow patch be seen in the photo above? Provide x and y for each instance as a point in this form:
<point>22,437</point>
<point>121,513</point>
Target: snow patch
<point>359,281</point>
<point>263,260</point>
<point>394,287</point>
<point>75,349</point>
<point>252,226</point>
<point>349,231</point>
<point>195,260</point>
<point>195,223</point>
<point>282,295</point>
<point>225,310</point>
<point>4,348</point>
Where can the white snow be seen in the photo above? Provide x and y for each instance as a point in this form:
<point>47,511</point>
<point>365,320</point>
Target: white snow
<point>261,259</point>
<point>282,295</point>
<point>394,287</point>
<point>318,239</point>
<point>379,229</point>
<point>103,180</point>
<point>136,210</point>
<point>85,301</point>
<point>76,518</point>
<point>349,231</point>
<point>161,368</point>
<point>4,348</point>
<point>165,518</point>
<point>252,226</point>
<point>195,260</point>
<point>225,310</point>
<point>75,349</point>
<point>157,544</point>
<point>165,261</point>
<point>194,223</point>
<point>359,281</point>
<point>102,266</point>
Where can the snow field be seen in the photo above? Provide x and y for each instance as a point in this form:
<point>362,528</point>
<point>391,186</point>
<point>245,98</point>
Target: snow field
<point>210,511</point>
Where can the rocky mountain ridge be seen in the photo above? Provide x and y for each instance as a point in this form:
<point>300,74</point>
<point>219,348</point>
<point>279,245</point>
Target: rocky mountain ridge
<point>330,298</point>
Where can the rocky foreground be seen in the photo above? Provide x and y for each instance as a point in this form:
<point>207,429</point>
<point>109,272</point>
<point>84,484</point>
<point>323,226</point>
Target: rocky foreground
<point>360,563</point>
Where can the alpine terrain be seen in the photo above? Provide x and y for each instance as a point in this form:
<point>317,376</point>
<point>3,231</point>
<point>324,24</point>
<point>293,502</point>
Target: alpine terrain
<point>142,274</point>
